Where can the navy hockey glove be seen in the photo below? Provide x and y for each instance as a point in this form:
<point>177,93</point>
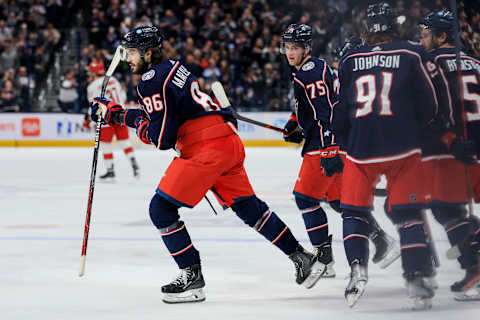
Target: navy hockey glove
<point>141,125</point>
<point>292,132</point>
<point>112,112</point>
<point>462,150</point>
<point>331,161</point>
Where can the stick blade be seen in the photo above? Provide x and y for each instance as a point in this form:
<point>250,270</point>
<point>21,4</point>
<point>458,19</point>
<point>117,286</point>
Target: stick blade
<point>83,260</point>
<point>220,94</point>
<point>119,55</point>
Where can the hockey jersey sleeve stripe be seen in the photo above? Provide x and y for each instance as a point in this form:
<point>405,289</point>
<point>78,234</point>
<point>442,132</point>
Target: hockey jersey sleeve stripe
<point>326,86</point>
<point>164,91</point>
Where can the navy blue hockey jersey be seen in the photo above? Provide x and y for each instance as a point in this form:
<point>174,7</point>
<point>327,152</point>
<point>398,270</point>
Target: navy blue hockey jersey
<point>315,97</point>
<point>470,80</point>
<point>386,98</point>
<point>170,95</point>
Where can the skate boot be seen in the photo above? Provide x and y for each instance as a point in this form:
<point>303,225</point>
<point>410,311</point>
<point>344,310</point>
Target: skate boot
<point>109,176</point>
<point>136,169</point>
<point>386,249</point>
<point>187,287</point>
<point>358,282</point>
<point>468,289</point>
<point>324,255</point>
<point>419,289</point>
<point>308,269</point>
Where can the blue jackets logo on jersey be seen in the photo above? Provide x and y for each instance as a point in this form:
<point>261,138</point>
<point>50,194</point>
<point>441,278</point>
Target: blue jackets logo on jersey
<point>308,66</point>
<point>148,75</point>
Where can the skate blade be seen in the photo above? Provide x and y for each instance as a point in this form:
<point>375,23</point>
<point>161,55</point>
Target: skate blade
<point>107,180</point>
<point>421,303</point>
<point>330,272</point>
<point>194,295</point>
<point>318,270</point>
<point>465,297</point>
<point>352,297</point>
<point>390,257</point>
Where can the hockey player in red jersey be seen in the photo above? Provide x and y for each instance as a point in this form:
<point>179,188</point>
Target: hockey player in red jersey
<point>178,114</point>
<point>446,180</point>
<point>314,89</point>
<point>115,93</point>
<point>386,97</point>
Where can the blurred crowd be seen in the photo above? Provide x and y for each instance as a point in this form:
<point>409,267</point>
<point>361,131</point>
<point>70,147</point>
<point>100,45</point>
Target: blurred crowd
<point>234,41</point>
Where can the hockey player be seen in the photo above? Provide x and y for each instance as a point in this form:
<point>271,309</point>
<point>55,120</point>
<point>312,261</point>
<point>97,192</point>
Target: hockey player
<point>447,192</point>
<point>178,114</point>
<point>377,118</point>
<point>314,89</point>
<point>115,93</point>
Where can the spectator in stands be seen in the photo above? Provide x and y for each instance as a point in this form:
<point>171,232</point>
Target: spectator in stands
<point>68,96</point>
<point>8,97</point>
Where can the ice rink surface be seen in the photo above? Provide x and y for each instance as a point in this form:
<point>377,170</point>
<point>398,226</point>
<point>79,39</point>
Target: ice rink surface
<point>43,196</point>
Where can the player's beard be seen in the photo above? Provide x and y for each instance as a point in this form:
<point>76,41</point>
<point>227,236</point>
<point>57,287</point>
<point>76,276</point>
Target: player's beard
<point>141,67</point>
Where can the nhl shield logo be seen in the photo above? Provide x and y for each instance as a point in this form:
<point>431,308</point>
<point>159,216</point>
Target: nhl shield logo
<point>148,75</point>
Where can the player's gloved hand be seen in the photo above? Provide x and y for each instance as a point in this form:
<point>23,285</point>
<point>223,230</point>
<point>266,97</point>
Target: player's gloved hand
<point>331,161</point>
<point>87,120</point>
<point>292,131</point>
<point>141,125</point>
<point>462,150</point>
<point>108,110</point>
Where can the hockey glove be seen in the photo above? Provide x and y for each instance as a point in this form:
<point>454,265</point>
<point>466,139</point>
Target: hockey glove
<point>109,110</point>
<point>463,150</point>
<point>331,161</point>
<point>141,125</point>
<point>87,120</point>
<point>292,132</point>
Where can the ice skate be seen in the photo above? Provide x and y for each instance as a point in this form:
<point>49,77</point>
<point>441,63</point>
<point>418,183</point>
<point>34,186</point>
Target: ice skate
<point>109,176</point>
<point>187,287</point>
<point>419,290</point>
<point>386,249</point>
<point>468,289</point>
<point>136,169</point>
<point>325,256</point>
<point>308,270</point>
<point>357,284</point>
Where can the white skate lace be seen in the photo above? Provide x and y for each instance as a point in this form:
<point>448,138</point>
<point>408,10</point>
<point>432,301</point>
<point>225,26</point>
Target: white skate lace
<point>183,277</point>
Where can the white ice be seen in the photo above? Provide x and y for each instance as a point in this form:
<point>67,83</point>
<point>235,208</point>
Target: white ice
<point>43,197</point>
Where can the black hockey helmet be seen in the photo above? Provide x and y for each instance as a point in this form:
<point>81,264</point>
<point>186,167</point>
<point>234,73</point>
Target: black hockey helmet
<point>350,44</point>
<point>298,33</point>
<point>440,21</point>
<point>143,38</point>
<point>380,18</point>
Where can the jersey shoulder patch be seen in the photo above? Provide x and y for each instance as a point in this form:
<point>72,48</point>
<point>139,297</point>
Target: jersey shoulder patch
<point>148,75</point>
<point>308,66</point>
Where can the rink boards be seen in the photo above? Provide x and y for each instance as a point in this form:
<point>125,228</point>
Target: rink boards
<point>67,130</point>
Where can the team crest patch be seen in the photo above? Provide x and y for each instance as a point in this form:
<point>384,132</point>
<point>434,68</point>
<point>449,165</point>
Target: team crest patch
<point>308,66</point>
<point>148,75</point>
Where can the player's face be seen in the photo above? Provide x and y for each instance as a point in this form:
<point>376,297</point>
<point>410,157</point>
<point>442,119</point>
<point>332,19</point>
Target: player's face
<point>427,40</point>
<point>294,52</point>
<point>135,61</point>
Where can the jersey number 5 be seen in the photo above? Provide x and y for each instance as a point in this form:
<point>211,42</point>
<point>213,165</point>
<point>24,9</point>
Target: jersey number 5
<point>367,92</point>
<point>474,115</point>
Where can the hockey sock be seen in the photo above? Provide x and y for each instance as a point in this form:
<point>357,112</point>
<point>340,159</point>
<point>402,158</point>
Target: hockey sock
<point>355,235</point>
<point>178,242</point>
<point>127,148</point>
<point>257,215</point>
<point>315,220</point>
<point>107,151</point>
<point>415,253</point>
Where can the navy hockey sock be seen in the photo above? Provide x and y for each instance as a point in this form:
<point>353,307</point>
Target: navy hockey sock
<point>355,235</point>
<point>415,253</point>
<point>315,220</point>
<point>257,215</point>
<point>179,244</point>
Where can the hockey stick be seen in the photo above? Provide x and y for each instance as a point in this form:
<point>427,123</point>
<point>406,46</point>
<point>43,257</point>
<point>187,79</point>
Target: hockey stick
<point>454,252</point>
<point>222,98</point>
<point>430,242</point>
<point>119,54</point>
